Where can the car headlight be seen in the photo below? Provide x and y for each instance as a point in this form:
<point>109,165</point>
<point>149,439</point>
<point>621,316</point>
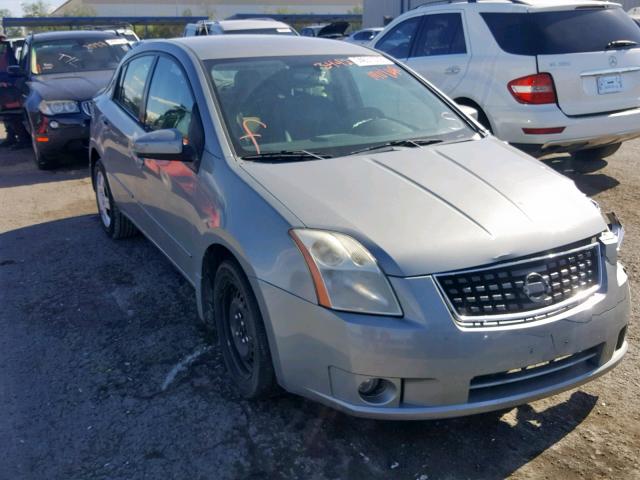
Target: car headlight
<point>58,107</point>
<point>346,276</point>
<point>615,227</point>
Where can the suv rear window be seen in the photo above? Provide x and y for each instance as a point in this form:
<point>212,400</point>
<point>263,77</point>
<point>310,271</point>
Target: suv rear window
<point>560,32</point>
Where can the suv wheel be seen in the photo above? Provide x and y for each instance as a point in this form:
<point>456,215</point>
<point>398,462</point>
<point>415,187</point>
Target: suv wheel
<point>243,338</point>
<point>597,153</point>
<point>113,221</point>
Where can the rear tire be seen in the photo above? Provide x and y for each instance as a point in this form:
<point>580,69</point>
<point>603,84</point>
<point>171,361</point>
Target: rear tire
<point>597,153</point>
<point>243,338</point>
<point>115,224</point>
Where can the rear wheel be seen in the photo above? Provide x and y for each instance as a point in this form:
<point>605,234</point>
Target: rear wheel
<point>597,153</point>
<point>113,221</point>
<point>243,338</point>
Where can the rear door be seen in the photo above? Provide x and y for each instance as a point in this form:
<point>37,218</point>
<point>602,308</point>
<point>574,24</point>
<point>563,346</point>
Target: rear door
<point>440,52</point>
<point>122,124</point>
<point>592,54</point>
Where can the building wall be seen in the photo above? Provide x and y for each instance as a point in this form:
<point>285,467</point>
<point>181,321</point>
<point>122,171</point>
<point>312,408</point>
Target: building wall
<point>376,10</point>
<point>218,9</point>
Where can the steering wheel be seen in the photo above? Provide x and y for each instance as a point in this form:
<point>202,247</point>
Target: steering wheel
<point>370,117</point>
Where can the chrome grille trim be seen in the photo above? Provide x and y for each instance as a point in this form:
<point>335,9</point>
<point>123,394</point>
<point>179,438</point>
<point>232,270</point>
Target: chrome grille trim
<point>522,316</point>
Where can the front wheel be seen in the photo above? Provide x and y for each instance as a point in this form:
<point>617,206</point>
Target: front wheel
<point>115,224</point>
<point>243,338</point>
<point>43,162</point>
<point>597,153</point>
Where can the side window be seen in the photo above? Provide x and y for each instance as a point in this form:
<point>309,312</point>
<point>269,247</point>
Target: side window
<point>170,103</point>
<point>397,42</point>
<point>362,36</point>
<point>130,91</point>
<point>442,34</point>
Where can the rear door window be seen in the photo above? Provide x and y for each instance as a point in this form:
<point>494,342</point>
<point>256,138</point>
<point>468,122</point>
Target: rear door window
<point>561,32</point>
<point>130,93</point>
<point>442,34</point>
<point>397,42</point>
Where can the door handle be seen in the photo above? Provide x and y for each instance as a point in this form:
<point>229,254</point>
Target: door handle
<point>453,70</point>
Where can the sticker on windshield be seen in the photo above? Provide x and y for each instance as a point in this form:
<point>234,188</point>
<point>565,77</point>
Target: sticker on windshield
<point>116,41</point>
<point>283,30</point>
<point>371,61</point>
<point>384,73</point>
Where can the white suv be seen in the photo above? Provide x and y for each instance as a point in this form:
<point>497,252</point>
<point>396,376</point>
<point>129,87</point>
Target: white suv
<point>548,76</point>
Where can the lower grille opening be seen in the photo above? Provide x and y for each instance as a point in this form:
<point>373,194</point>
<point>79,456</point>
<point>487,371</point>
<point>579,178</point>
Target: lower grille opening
<point>531,377</point>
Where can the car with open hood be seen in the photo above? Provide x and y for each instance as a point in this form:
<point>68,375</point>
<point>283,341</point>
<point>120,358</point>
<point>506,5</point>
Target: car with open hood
<point>352,236</point>
<point>57,76</point>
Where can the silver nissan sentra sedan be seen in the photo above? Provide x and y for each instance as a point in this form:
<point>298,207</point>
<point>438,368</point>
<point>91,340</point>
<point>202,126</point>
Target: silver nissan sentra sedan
<point>351,234</point>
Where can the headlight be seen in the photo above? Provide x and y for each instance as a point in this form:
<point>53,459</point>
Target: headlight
<point>57,107</point>
<point>615,226</point>
<point>345,274</point>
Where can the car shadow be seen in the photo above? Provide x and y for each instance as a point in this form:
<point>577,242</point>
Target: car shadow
<point>18,168</point>
<point>108,324</point>
<point>583,173</point>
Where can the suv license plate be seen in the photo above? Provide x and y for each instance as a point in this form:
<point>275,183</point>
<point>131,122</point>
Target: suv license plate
<point>609,84</point>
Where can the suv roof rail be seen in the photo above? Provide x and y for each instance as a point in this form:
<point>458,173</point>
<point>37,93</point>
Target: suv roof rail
<point>429,3</point>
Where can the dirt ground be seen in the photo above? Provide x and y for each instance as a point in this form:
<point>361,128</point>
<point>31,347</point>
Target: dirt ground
<point>99,380</point>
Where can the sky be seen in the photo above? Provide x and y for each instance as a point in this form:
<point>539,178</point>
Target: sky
<point>16,10</point>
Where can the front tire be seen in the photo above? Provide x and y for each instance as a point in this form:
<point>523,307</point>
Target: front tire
<point>243,338</point>
<point>597,153</point>
<point>115,224</point>
<point>43,162</point>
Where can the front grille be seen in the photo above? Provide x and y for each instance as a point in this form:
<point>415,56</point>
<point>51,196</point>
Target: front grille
<point>87,108</point>
<point>540,375</point>
<point>525,290</point>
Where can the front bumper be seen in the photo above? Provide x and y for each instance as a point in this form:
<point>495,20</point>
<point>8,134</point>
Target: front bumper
<point>72,132</point>
<point>431,362</point>
<point>579,132</point>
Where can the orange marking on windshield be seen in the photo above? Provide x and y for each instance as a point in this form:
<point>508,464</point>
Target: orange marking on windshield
<point>250,134</point>
<point>383,73</point>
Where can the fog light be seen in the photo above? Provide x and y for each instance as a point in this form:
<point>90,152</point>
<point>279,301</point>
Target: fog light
<point>54,124</point>
<point>370,387</point>
<point>377,391</point>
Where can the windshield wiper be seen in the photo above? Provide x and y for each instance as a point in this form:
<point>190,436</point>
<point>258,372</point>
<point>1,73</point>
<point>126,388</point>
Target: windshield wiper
<point>409,142</point>
<point>621,44</point>
<point>285,156</point>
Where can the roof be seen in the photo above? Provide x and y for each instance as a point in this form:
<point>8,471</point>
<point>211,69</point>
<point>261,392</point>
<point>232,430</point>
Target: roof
<point>249,46</point>
<point>546,4</point>
<point>249,24</point>
<point>69,34</point>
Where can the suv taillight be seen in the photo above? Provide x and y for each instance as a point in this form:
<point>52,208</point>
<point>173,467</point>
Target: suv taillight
<point>534,89</point>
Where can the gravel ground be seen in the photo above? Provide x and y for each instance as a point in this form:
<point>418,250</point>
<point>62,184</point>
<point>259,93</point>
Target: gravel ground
<point>106,374</point>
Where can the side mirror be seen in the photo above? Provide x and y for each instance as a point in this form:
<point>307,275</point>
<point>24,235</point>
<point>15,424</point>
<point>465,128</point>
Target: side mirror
<point>16,71</point>
<point>163,145</point>
<point>469,111</point>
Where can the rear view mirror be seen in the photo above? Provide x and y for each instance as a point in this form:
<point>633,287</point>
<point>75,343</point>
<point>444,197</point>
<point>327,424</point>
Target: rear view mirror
<point>469,111</point>
<point>15,71</point>
<point>163,145</point>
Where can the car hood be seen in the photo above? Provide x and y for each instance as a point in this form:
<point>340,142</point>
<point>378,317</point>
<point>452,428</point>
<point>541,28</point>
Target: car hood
<point>437,209</point>
<point>70,86</point>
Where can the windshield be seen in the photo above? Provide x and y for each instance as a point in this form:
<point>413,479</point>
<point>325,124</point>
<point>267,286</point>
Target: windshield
<point>77,55</point>
<point>327,105</point>
<point>560,32</point>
